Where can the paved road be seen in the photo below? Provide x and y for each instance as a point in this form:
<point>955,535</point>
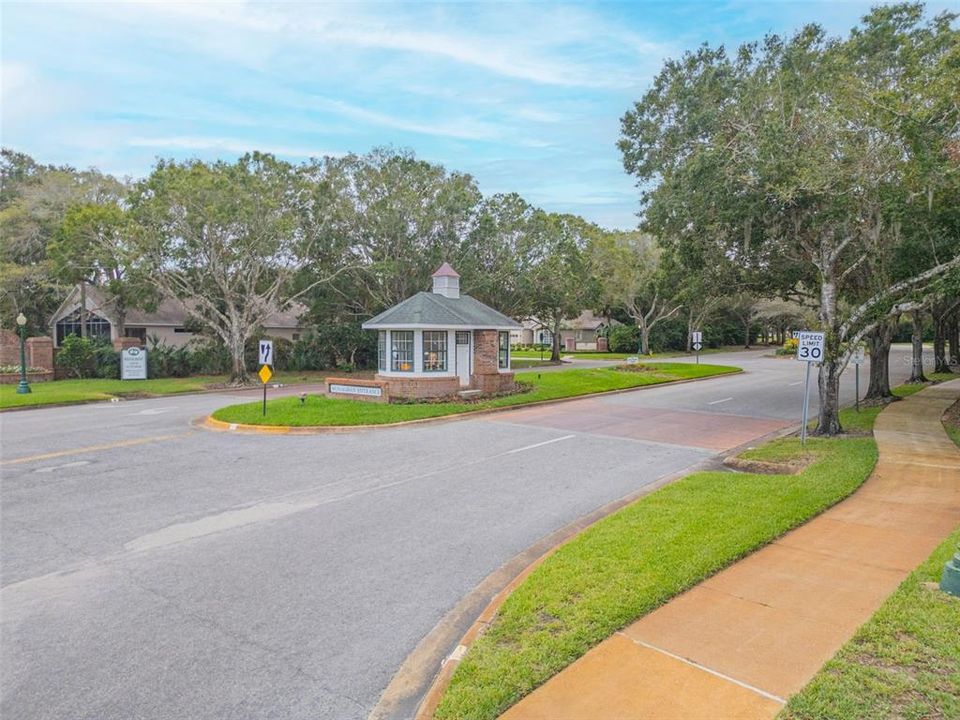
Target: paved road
<point>151,569</point>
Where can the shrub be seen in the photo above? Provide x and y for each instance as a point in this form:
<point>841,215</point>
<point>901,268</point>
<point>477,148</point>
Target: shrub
<point>106,360</point>
<point>77,355</point>
<point>624,338</point>
<point>789,347</point>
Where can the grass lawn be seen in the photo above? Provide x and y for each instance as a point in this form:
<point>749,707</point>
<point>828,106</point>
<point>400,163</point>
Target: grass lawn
<point>591,355</point>
<point>641,556</point>
<point>903,663</point>
<point>320,411</point>
<point>73,391</point>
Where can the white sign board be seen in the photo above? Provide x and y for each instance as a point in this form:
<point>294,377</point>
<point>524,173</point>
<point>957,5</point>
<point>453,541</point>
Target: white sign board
<point>266,352</point>
<point>633,360</point>
<point>133,364</point>
<point>858,355</point>
<point>356,390</point>
<point>811,346</point>
<point>697,336</point>
<point>697,346</point>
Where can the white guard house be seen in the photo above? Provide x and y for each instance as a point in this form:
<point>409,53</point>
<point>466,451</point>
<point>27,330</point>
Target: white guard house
<point>441,343</point>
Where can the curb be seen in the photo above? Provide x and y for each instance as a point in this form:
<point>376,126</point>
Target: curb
<point>403,698</point>
<point>212,423</point>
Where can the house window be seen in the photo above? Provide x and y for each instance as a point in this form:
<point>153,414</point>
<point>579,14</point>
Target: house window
<point>382,350</point>
<point>181,330</point>
<point>434,350</point>
<point>402,350</point>
<point>296,336</point>
<point>97,327</point>
<point>463,337</point>
<point>503,356</point>
<point>140,333</point>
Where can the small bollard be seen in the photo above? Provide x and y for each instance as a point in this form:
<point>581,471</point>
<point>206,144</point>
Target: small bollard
<point>950,580</point>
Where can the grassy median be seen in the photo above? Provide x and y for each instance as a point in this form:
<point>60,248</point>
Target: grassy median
<point>325,411</point>
<point>903,663</point>
<point>638,558</point>
<point>59,392</point>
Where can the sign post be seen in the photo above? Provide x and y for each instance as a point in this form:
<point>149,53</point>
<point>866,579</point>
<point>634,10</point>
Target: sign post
<point>265,373</point>
<point>857,360</point>
<point>809,350</point>
<point>697,343</point>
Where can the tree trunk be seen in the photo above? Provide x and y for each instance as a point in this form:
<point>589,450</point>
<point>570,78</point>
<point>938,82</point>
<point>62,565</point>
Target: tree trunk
<point>829,376</point>
<point>746,333</point>
<point>238,373</point>
<point>829,385</point>
<point>690,330</point>
<point>940,363</point>
<point>555,345</point>
<point>878,343</point>
<point>953,338</point>
<point>644,339</point>
<point>916,365</point>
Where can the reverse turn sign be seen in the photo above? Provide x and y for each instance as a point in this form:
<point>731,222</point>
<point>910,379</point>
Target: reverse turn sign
<point>266,352</point>
<point>810,347</point>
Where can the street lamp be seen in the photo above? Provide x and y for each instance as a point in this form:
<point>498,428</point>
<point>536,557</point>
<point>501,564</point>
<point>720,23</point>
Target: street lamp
<point>24,387</point>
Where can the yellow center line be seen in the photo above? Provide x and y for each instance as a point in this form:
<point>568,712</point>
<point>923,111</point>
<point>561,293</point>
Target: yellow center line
<point>92,448</point>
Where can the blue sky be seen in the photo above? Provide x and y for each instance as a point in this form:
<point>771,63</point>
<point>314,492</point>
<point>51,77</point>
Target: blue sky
<point>525,97</point>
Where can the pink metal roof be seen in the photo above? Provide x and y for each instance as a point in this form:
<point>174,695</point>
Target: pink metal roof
<point>446,271</point>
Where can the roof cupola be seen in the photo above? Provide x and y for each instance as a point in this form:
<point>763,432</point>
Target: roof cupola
<point>446,282</point>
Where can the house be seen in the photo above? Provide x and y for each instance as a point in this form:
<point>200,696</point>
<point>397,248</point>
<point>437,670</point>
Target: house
<point>438,344</point>
<point>167,321</point>
<point>579,333</point>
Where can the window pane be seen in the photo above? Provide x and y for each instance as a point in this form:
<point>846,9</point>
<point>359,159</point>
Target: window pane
<point>402,350</point>
<point>434,350</point>
<point>382,350</point>
<point>503,356</point>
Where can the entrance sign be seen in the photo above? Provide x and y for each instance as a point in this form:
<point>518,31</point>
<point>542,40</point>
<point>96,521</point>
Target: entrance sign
<point>810,349</point>
<point>811,346</point>
<point>266,352</point>
<point>133,364</point>
<point>356,390</point>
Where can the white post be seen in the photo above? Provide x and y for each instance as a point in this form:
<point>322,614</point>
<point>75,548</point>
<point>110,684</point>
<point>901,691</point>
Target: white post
<point>806,405</point>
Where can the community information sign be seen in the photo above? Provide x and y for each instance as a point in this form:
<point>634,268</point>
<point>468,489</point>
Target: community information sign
<point>133,364</point>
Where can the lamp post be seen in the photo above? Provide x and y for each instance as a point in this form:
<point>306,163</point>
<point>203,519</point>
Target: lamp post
<point>23,387</point>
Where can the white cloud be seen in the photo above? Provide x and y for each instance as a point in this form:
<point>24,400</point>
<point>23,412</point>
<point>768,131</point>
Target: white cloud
<point>234,145</point>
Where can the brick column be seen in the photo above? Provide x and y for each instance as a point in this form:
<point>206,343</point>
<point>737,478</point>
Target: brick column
<point>39,352</point>
<point>122,343</point>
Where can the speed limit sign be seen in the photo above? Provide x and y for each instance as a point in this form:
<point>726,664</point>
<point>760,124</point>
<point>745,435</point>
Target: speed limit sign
<point>810,347</point>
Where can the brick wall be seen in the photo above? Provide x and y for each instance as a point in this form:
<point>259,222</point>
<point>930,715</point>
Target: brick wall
<point>485,352</point>
<point>417,388</point>
<point>38,351</point>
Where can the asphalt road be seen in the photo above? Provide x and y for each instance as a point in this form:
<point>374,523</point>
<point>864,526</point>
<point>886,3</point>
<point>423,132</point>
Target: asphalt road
<point>151,569</point>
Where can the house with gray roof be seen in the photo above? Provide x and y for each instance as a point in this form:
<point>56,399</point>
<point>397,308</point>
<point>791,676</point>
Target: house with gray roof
<point>166,322</point>
<point>441,343</point>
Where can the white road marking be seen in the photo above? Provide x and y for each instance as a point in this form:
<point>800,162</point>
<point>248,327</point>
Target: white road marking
<point>53,468</point>
<point>539,444</point>
<point>798,382</point>
<point>153,411</point>
<point>717,402</point>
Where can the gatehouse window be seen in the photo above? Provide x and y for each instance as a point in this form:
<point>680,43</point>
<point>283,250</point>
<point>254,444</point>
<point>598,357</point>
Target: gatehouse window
<point>382,350</point>
<point>434,350</point>
<point>503,356</point>
<point>402,350</point>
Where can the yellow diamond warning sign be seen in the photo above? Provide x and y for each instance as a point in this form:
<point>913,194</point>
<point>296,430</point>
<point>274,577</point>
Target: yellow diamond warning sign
<point>265,374</point>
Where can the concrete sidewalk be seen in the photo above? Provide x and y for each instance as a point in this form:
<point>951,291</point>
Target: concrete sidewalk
<point>740,643</point>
